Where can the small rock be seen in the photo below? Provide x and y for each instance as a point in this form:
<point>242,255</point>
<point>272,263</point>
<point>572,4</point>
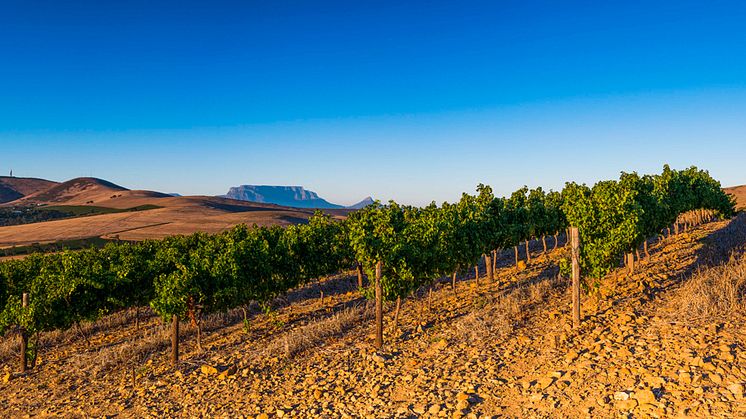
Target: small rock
<point>462,396</point>
<point>626,404</point>
<point>378,359</point>
<point>621,395</point>
<point>230,371</point>
<point>645,396</point>
<point>208,369</point>
<point>571,356</point>
<point>736,389</point>
<point>544,383</point>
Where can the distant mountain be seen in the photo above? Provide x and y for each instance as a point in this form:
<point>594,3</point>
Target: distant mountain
<point>362,204</point>
<point>288,196</point>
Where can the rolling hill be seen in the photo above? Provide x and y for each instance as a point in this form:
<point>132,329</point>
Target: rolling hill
<point>88,191</point>
<point>13,188</point>
<point>158,214</point>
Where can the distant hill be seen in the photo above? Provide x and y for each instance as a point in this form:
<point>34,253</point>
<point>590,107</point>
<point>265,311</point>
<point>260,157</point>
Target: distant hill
<point>96,208</point>
<point>362,204</point>
<point>739,192</point>
<point>12,188</point>
<point>288,196</point>
<point>87,191</point>
<point>74,188</point>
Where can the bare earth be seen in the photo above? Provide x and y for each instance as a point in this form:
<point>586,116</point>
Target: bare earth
<point>650,345</point>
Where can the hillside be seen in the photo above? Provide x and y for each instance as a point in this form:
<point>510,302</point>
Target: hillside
<point>739,192</point>
<point>86,191</point>
<point>662,342</point>
<point>173,215</point>
<point>162,214</point>
<point>13,188</point>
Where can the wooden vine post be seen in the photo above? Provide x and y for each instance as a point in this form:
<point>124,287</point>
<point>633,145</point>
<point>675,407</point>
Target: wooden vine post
<point>174,340</point>
<point>575,239</point>
<point>359,275</point>
<point>489,267</point>
<point>379,306</point>
<point>631,262</point>
<point>24,338</point>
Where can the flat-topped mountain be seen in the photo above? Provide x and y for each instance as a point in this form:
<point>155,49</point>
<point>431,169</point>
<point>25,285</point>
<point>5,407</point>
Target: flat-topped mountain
<point>288,196</point>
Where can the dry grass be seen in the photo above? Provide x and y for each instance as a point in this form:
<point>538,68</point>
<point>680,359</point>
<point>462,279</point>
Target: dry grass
<point>86,330</point>
<point>712,293</point>
<point>506,311</point>
<point>315,334</point>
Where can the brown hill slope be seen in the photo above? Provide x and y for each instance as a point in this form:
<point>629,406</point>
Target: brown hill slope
<point>739,192</point>
<point>167,215</point>
<point>12,188</point>
<point>74,192</point>
<point>90,191</point>
<point>173,215</point>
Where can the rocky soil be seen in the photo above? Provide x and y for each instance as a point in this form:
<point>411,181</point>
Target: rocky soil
<point>485,349</point>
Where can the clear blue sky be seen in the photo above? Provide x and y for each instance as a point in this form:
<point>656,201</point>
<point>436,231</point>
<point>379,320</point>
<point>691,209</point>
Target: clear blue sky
<point>415,101</point>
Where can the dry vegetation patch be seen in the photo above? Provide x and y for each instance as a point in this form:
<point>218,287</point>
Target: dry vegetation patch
<point>711,293</point>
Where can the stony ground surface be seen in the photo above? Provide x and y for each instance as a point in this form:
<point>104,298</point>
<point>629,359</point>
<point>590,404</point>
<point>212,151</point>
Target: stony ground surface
<point>501,348</point>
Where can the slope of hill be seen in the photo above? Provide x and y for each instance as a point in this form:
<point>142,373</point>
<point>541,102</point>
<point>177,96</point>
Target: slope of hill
<point>739,192</point>
<point>12,188</point>
<point>89,191</point>
<point>172,215</point>
<point>158,215</point>
<point>654,343</point>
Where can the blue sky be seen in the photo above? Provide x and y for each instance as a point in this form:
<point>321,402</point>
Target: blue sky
<point>413,101</point>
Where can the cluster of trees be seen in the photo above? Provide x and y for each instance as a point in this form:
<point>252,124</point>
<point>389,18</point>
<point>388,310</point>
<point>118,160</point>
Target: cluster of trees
<point>402,247</point>
<point>10,216</point>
